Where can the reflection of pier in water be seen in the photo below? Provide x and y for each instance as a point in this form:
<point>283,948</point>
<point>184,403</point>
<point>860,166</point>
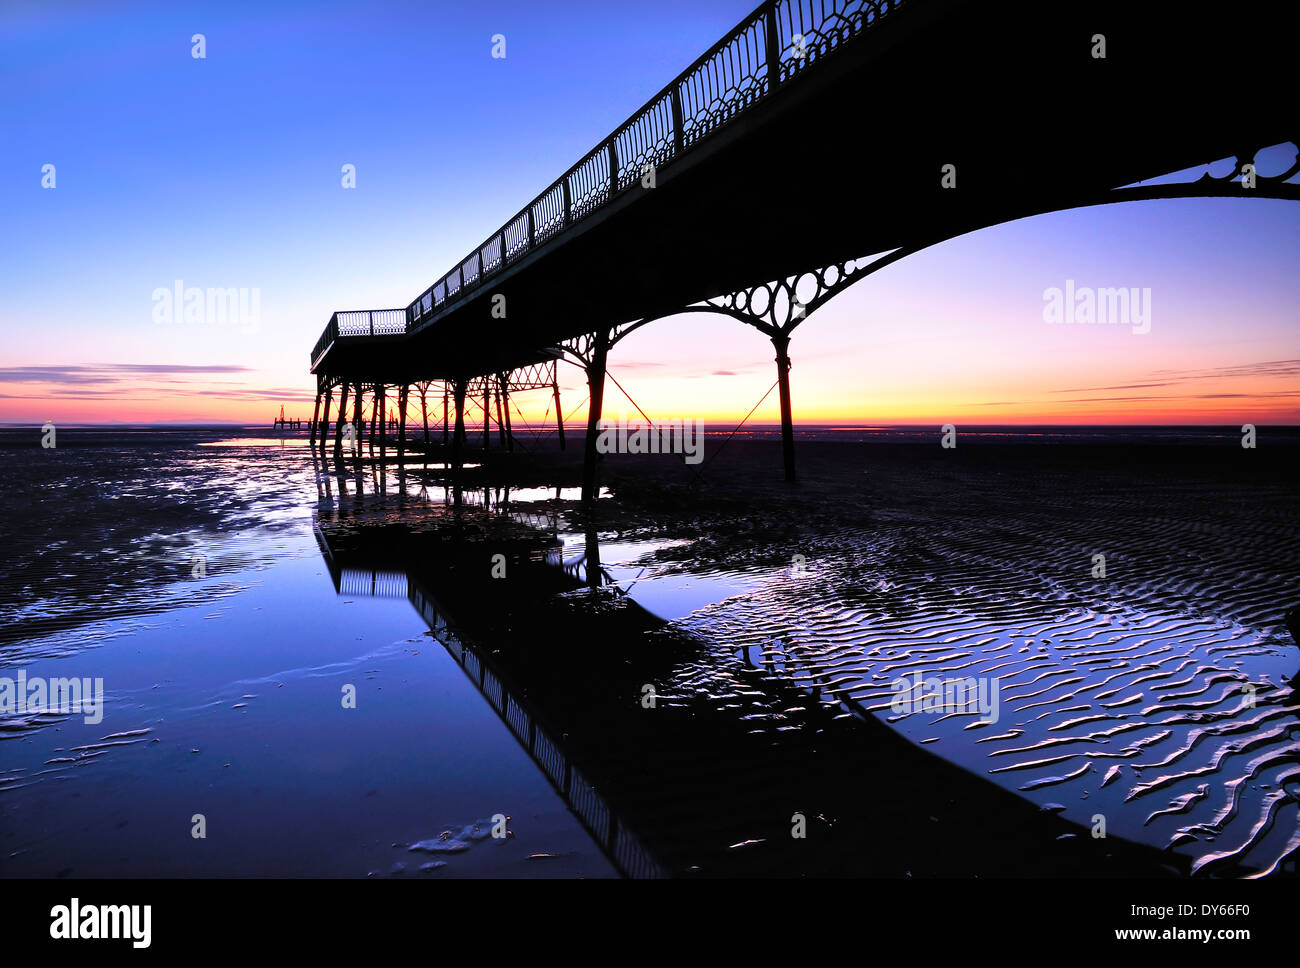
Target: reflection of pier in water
<point>540,565</point>
<point>710,779</point>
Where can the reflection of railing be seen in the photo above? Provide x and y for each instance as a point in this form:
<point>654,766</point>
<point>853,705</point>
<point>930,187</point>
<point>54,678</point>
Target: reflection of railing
<point>544,521</point>
<point>775,43</point>
<point>361,322</point>
<point>579,569</point>
<point>622,847</point>
<point>372,583</point>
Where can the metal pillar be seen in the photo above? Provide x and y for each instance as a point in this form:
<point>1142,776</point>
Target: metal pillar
<point>357,422</point>
<point>505,405</point>
<point>424,410</point>
<point>487,413</point>
<point>458,391</point>
<point>592,557</point>
<point>315,416</point>
<point>559,414</point>
<point>401,421</point>
<point>446,402</point>
<point>374,415</point>
<point>325,429</point>
<point>338,428</point>
<point>596,391</point>
<point>782,344</point>
<point>501,416</point>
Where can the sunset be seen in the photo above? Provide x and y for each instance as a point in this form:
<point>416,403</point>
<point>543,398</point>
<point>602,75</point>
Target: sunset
<point>146,198</point>
<point>953,334</point>
<point>496,447</point>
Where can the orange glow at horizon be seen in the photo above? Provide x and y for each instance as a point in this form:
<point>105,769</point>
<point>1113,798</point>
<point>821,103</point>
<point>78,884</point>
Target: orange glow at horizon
<point>1258,399</point>
<point>954,334</point>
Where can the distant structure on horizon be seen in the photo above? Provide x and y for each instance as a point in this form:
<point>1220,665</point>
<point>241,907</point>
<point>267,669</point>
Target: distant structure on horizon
<point>283,423</point>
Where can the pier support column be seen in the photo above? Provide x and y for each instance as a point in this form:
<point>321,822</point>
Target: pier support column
<point>596,393</point>
<point>315,416</point>
<point>401,420</point>
<point>325,429</point>
<point>782,344</point>
<point>510,426</point>
<point>503,414</point>
<point>559,414</point>
<point>458,391</point>
<point>424,411</point>
<point>446,410</point>
<point>592,557</point>
<point>381,404</point>
<point>487,412</point>
<point>357,422</point>
<point>343,416</point>
<point>374,415</point>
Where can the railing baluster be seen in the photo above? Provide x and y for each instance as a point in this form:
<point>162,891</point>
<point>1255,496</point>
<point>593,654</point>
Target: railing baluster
<point>773,49</point>
<point>677,120</point>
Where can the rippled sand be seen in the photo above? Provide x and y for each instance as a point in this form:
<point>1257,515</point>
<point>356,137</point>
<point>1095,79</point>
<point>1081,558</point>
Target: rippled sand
<point>1156,697</point>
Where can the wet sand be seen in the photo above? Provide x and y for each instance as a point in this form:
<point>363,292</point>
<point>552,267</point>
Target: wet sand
<point>1128,696</point>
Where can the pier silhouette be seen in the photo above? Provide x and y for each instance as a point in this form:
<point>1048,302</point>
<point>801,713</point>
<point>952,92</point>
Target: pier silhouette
<point>791,161</point>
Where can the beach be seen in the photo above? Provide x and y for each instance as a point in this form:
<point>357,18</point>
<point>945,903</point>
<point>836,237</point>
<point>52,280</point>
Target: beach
<point>228,596</point>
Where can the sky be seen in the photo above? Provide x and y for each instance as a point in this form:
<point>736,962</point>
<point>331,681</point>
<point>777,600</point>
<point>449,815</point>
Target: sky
<point>226,172</point>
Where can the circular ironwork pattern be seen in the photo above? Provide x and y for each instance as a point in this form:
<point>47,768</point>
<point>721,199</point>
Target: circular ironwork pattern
<point>780,305</point>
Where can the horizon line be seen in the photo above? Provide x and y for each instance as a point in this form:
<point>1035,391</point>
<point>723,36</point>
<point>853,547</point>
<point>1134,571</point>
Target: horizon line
<point>835,424</point>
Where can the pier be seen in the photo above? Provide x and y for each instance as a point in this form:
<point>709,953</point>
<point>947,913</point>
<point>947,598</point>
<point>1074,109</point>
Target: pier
<point>780,168</point>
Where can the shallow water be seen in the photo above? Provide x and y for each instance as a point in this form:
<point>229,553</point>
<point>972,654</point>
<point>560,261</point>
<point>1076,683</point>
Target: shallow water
<point>223,692</point>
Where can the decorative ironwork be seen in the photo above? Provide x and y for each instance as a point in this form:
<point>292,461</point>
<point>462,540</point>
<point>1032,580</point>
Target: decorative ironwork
<point>808,30</point>
<point>581,349</point>
<point>1243,158</point>
<point>646,141</point>
<point>589,184</point>
<point>516,236</point>
<point>779,306</point>
<point>550,212</point>
<point>728,79</point>
<point>538,376</point>
<point>1231,185</point>
<point>361,322</point>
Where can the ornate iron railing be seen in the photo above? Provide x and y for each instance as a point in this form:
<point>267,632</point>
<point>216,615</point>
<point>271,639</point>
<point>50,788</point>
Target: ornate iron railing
<point>777,42</point>
<point>360,322</point>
